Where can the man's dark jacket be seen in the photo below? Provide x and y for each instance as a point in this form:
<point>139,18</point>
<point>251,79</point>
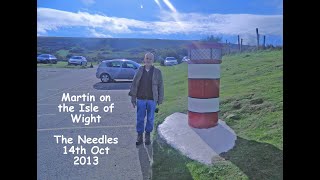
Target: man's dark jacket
<point>157,85</point>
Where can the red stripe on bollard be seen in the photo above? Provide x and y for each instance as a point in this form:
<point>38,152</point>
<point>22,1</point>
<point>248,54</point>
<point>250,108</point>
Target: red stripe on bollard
<point>203,88</point>
<point>202,120</point>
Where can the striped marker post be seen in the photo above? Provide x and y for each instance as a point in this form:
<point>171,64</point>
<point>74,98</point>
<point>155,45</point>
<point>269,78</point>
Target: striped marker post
<point>203,84</point>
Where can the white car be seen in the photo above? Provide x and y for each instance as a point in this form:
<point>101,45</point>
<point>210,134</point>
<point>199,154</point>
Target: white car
<point>170,61</point>
<point>78,60</point>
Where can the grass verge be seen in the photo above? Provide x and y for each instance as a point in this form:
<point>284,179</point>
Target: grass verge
<point>251,103</point>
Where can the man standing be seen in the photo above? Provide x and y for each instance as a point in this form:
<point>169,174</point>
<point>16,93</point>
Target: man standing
<point>146,92</point>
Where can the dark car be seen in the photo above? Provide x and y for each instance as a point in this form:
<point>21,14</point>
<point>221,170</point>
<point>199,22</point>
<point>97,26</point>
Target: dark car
<point>47,59</point>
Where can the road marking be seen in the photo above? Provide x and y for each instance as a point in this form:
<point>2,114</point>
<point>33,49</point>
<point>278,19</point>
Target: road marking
<point>39,115</point>
<point>92,127</point>
<point>149,156</point>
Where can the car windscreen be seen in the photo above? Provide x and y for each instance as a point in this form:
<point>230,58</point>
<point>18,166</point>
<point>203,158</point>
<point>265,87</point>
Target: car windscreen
<point>44,56</point>
<point>170,58</point>
<point>76,57</point>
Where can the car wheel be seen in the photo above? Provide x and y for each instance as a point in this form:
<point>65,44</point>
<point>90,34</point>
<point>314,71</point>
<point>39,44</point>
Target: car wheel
<point>105,78</point>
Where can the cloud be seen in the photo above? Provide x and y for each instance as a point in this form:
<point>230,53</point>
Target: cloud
<point>88,2</point>
<point>250,39</point>
<point>94,33</point>
<point>168,23</point>
<point>52,19</point>
<point>222,24</point>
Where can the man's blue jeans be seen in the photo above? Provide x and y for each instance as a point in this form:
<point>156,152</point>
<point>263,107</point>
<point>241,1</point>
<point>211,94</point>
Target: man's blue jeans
<point>145,107</point>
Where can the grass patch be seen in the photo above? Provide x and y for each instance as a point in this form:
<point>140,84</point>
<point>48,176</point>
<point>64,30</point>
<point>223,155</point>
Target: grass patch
<point>251,103</point>
<point>63,52</point>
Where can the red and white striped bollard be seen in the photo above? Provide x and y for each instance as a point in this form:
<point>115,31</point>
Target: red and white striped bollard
<point>204,84</point>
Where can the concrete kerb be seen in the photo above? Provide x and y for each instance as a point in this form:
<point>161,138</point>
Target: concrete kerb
<point>202,145</point>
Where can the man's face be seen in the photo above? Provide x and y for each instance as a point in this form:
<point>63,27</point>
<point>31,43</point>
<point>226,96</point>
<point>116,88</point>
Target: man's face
<point>148,60</point>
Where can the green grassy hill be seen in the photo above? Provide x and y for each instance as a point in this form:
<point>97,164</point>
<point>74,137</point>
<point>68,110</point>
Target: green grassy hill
<point>251,103</point>
<point>57,43</point>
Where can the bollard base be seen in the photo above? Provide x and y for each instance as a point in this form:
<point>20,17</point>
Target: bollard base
<point>202,145</point>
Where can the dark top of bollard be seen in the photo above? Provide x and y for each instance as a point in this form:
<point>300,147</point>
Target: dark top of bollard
<point>204,45</point>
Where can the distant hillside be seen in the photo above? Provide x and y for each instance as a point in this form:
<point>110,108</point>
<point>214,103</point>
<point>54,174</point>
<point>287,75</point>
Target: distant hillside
<point>57,43</point>
<point>96,49</point>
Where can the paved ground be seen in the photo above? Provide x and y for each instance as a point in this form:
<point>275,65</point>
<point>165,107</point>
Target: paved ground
<point>124,161</point>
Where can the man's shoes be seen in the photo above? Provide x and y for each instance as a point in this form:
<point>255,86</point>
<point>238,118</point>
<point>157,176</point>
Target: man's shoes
<point>139,139</point>
<point>147,139</point>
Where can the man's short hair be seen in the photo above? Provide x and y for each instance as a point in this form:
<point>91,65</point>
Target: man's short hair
<point>149,55</point>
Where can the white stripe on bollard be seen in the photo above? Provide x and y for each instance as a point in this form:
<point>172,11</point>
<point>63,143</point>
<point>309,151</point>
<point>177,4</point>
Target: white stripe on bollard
<point>203,105</point>
<point>204,71</point>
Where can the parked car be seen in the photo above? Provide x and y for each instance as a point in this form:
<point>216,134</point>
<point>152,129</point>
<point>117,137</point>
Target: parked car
<point>47,59</point>
<point>169,61</point>
<point>109,70</point>
<point>185,59</point>
<point>78,60</point>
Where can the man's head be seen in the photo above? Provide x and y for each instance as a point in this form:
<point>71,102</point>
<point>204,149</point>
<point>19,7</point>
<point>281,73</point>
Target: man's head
<point>148,59</point>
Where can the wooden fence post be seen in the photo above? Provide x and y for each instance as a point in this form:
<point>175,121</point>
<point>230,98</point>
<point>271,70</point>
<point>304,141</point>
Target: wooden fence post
<point>257,31</point>
<point>239,42</point>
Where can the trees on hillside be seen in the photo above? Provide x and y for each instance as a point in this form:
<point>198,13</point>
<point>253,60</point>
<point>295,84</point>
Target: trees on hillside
<point>212,38</point>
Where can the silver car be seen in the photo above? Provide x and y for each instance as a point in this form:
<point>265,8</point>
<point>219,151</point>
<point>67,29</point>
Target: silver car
<point>170,61</point>
<point>78,60</point>
<point>109,70</point>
